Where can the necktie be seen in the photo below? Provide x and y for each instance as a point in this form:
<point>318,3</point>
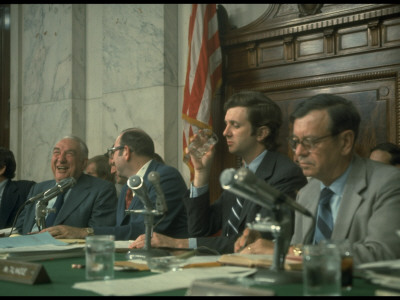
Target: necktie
<point>128,198</point>
<point>233,221</point>
<point>324,225</point>
<point>57,205</point>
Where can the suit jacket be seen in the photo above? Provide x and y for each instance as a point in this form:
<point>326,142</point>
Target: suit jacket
<point>92,201</point>
<point>14,195</point>
<point>368,214</point>
<point>173,224</point>
<point>206,220</point>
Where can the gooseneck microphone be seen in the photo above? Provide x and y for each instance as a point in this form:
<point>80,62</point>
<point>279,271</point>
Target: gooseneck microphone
<point>246,184</point>
<point>59,188</point>
<point>41,207</point>
<point>161,204</point>
<point>136,184</point>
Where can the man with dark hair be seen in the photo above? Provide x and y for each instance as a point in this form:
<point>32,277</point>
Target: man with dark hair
<point>90,202</point>
<point>351,197</point>
<point>387,153</point>
<point>13,193</point>
<point>252,128</point>
<point>133,154</point>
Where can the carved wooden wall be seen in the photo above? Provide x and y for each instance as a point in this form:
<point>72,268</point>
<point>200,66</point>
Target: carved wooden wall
<point>348,49</point>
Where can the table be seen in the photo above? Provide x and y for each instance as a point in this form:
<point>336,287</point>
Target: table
<point>63,277</point>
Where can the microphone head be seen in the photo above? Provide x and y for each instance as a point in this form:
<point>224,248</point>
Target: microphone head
<point>227,178</point>
<point>68,182</point>
<point>135,182</point>
<point>154,177</point>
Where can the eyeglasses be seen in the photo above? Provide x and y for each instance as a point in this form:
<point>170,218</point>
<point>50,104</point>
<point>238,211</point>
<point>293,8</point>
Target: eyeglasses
<point>309,143</point>
<point>110,151</point>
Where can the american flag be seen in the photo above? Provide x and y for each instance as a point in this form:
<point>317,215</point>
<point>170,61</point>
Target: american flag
<point>204,71</point>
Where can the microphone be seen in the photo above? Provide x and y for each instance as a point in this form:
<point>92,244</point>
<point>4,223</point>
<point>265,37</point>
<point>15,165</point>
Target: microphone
<point>161,204</point>
<point>246,184</point>
<point>34,198</point>
<point>59,188</point>
<point>136,184</point>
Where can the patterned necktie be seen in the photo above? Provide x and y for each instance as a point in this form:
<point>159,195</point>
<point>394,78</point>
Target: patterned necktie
<point>324,225</point>
<point>57,205</point>
<point>233,221</point>
<point>128,198</point>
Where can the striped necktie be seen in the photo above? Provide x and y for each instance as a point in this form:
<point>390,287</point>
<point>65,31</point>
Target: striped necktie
<point>324,226</point>
<point>57,205</point>
<point>233,221</point>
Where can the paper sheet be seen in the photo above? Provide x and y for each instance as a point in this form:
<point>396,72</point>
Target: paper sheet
<point>45,238</point>
<point>161,282</point>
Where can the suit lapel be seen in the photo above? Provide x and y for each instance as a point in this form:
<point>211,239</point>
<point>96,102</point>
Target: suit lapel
<point>351,199</point>
<point>264,171</point>
<point>75,197</point>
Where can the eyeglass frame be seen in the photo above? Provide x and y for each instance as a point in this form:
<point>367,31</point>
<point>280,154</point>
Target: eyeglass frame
<point>113,149</point>
<point>311,140</point>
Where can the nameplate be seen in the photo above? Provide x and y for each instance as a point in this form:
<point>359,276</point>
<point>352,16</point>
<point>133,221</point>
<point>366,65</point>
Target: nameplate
<point>22,272</point>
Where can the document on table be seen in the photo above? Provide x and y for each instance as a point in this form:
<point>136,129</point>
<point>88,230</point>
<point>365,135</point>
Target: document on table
<point>161,282</point>
<point>9,243</point>
<point>37,247</point>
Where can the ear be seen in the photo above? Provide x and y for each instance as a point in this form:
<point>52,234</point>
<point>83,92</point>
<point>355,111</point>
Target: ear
<point>262,133</point>
<point>2,170</point>
<point>347,137</point>
<point>127,153</point>
<point>84,165</point>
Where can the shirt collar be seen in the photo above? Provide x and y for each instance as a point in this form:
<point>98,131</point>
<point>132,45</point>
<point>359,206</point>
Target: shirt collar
<point>338,185</point>
<point>143,169</point>
<point>253,166</point>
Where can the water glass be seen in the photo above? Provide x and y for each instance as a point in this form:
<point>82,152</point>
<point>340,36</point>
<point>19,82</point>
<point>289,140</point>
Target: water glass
<point>346,254</point>
<point>201,143</point>
<point>99,253</point>
<point>321,270</point>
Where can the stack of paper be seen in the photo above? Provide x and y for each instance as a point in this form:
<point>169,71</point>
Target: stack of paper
<point>34,247</point>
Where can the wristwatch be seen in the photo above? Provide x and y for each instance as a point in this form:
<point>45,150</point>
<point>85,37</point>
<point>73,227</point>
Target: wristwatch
<point>89,231</point>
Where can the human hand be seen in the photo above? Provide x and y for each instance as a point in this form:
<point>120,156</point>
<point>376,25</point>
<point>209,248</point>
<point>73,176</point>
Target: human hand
<point>66,232</point>
<point>248,236</point>
<point>159,240</point>
<point>260,246</point>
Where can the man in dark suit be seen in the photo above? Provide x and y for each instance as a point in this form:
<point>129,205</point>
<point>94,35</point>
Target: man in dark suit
<point>13,193</point>
<point>252,128</point>
<point>133,154</point>
<point>90,202</point>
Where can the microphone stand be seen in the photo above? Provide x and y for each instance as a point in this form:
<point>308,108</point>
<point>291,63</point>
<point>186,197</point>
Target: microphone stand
<point>146,251</point>
<point>41,212</point>
<point>280,227</point>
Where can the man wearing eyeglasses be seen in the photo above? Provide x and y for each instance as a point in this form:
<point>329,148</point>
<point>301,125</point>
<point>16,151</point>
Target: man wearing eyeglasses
<point>133,154</point>
<point>364,199</point>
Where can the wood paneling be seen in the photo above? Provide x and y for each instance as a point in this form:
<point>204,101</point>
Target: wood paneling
<point>348,49</point>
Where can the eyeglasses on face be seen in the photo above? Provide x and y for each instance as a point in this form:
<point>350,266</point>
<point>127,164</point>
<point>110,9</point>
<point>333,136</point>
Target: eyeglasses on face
<point>309,143</point>
<point>110,151</point>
